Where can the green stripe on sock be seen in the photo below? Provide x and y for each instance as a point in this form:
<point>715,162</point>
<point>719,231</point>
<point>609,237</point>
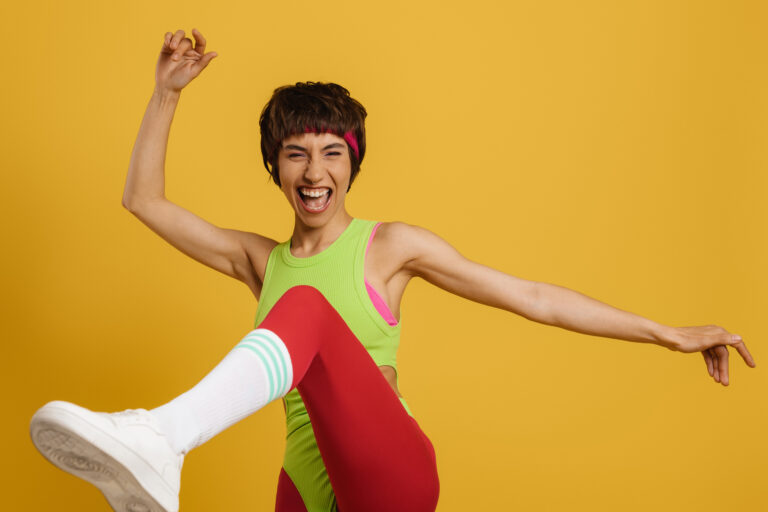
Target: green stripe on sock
<point>279,365</point>
<point>265,342</point>
<point>283,377</point>
<point>266,367</point>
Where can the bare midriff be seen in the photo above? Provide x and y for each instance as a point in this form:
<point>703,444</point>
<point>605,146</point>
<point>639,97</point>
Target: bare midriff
<point>389,374</point>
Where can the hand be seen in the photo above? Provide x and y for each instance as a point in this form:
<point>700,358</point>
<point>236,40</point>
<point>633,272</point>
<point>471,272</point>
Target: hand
<point>178,63</point>
<point>712,342</point>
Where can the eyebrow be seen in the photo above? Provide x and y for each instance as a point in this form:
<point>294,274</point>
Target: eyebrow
<point>300,148</point>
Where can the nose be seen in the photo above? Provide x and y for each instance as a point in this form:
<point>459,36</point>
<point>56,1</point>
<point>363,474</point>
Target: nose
<point>314,171</point>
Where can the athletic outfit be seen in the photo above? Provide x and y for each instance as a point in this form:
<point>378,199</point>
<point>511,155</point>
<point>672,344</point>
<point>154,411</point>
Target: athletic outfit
<point>351,376</point>
<point>352,445</point>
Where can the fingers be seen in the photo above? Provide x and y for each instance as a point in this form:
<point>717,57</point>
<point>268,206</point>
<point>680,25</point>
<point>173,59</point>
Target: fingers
<point>713,341</point>
<point>177,36</point>
<point>708,360</point>
<point>182,48</point>
<point>741,348</point>
<point>717,360</point>
<point>178,44</point>
<point>715,365</point>
<point>736,342</point>
<point>200,41</point>
<point>203,62</point>
<point>722,356</point>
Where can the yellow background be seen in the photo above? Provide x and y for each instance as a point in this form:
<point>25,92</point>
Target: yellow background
<point>614,148</point>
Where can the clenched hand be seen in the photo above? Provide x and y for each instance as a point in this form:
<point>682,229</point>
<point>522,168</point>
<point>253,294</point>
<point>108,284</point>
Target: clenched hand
<point>179,62</point>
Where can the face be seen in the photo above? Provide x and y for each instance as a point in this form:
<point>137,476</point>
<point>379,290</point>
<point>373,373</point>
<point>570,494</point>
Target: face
<point>315,170</point>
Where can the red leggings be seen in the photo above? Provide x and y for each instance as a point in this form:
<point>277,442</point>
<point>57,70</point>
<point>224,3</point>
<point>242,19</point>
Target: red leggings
<point>376,455</point>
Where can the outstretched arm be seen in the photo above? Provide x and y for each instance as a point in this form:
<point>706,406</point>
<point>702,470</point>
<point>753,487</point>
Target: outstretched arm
<point>574,311</point>
<point>435,260</point>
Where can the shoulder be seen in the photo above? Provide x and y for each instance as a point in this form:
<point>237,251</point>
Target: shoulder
<point>402,231</point>
<point>399,235</point>
<point>409,235</point>
<point>413,247</point>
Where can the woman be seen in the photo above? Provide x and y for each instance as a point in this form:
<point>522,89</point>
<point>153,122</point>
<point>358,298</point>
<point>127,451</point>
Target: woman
<point>327,326</point>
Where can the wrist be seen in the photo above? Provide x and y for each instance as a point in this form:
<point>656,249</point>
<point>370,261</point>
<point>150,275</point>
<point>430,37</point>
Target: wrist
<point>166,96</point>
<point>666,336</point>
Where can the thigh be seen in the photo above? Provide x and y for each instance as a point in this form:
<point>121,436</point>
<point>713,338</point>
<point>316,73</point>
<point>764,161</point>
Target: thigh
<point>375,453</point>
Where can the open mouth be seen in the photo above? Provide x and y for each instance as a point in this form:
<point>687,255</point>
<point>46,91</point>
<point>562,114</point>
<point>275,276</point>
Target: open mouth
<point>314,200</point>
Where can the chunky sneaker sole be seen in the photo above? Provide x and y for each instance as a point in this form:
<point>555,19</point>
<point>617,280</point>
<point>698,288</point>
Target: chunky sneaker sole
<point>69,437</point>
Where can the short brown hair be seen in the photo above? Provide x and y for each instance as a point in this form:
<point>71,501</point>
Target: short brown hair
<point>317,106</point>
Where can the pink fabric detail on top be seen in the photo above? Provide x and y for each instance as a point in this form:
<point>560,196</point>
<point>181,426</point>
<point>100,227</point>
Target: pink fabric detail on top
<point>376,227</point>
<point>378,302</point>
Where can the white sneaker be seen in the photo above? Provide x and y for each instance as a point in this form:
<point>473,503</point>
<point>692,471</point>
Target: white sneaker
<point>125,454</point>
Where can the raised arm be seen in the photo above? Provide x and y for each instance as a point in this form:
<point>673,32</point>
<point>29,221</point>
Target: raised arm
<point>238,254</point>
<point>430,257</point>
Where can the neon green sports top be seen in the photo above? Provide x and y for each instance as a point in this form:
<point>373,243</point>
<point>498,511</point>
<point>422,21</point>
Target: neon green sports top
<point>337,272</point>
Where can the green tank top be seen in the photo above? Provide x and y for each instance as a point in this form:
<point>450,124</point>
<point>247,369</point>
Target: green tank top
<point>337,272</point>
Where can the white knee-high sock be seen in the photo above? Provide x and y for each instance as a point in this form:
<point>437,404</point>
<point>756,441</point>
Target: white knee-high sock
<point>255,372</point>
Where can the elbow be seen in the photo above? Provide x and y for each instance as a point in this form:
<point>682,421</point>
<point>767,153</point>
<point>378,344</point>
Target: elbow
<point>129,205</point>
<point>135,203</point>
<point>539,310</point>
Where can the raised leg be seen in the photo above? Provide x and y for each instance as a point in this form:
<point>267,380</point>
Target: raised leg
<point>377,457</point>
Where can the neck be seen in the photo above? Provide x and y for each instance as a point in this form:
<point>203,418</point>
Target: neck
<point>309,240</point>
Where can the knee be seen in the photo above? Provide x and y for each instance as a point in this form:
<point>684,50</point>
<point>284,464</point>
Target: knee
<point>303,295</point>
<point>302,304</point>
